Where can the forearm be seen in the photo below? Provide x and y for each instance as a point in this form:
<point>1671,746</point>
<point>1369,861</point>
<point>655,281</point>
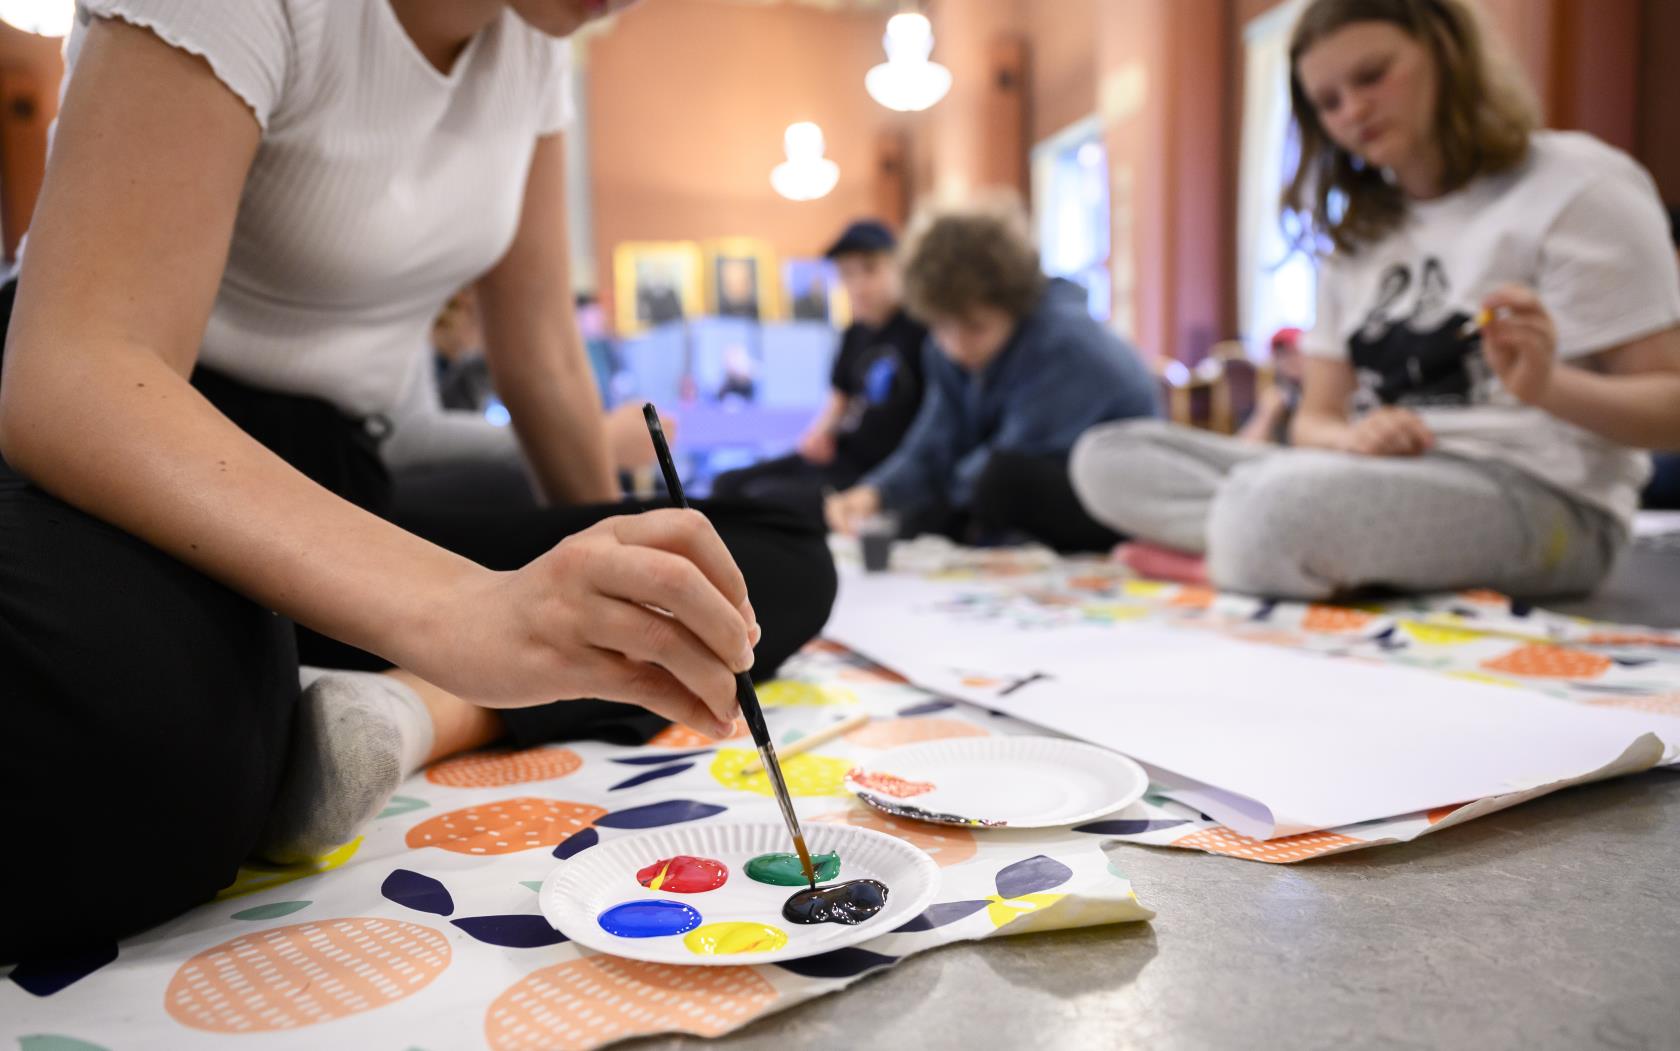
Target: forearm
<point>1319,430</point>
<point>1642,410</point>
<point>122,436</point>
<point>556,412</point>
<point>828,421</point>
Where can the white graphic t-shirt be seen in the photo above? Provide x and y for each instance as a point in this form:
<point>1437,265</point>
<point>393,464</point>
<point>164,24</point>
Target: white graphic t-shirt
<point>1579,222</point>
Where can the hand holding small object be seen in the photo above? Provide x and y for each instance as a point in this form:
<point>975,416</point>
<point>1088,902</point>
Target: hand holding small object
<point>845,511</point>
<point>1390,431</point>
<point>1519,340</point>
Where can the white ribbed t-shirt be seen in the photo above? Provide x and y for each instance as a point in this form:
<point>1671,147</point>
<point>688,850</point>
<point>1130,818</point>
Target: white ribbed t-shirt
<point>379,188</point>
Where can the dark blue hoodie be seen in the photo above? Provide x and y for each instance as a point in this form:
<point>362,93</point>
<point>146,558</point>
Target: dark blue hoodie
<point>1060,374</point>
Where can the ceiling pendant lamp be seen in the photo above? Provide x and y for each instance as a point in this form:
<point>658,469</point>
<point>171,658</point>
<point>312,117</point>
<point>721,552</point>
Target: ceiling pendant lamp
<point>908,80</point>
<point>41,17</point>
<point>806,174</point>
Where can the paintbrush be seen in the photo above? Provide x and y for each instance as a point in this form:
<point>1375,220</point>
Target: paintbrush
<point>744,692</point>
<point>813,740</point>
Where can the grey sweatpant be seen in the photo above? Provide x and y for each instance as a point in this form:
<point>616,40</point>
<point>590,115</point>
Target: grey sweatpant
<point>1308,523</point>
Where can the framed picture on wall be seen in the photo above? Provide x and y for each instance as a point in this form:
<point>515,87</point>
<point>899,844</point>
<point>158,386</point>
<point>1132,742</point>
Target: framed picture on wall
<point>812,291</point>
<point>655,283</point>
<point>741,279</point>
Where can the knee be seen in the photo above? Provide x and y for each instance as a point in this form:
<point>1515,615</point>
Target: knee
<point>1112,467</point>
<point>1269,521</point>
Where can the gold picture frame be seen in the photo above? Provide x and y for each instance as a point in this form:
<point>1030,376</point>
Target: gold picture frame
<point>742,279</point>
<point>656,282</point>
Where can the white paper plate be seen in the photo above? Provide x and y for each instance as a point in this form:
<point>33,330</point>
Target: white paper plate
<point>581,888</point>
<point>1019,782</point>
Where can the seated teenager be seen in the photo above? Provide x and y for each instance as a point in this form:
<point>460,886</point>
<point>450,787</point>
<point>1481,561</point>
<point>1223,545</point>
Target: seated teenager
<point>220,296</point>
<point>876,386</point>
<point>1016,370</point>
<point>1498,336</point>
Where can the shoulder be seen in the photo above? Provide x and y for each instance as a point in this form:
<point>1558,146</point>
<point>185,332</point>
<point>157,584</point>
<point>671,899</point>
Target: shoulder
<point>1565,164</point>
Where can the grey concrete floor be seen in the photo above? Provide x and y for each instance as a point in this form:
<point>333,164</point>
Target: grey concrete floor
<point>1552,925</point>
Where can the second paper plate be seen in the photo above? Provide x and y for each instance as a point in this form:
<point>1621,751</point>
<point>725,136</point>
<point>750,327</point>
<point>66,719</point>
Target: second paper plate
<point>996,782</point>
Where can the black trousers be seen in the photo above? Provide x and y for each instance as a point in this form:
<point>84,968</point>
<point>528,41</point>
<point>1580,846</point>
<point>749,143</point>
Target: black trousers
<point>1020,496</point>
<point>145,710</point>
<point>788,481</point>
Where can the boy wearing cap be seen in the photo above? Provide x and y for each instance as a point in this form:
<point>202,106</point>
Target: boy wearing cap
<point>876,385</point>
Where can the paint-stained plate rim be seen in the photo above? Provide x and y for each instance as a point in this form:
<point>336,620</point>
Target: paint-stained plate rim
<point>1114,781</point>
<point>583,886</point>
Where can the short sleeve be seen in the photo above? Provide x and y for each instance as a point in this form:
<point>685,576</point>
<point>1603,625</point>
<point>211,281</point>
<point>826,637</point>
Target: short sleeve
<point>248,44</point>
<point>558,109</point>
<point>1608,273</point>
<point>1325,339</point>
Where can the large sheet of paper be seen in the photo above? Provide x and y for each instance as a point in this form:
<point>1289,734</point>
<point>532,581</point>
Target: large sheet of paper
<point>1276,742</point>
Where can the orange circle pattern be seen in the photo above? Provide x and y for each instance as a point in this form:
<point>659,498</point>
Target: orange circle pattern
<point>1550,662</point>
<point>1335,619</point>
<point>505,827</point>
<point>947,845</point>
<point>598,999</point>
<point>890,733</point>
<point>675,736</point>
<point>304,974</point>
<point>495,769</point>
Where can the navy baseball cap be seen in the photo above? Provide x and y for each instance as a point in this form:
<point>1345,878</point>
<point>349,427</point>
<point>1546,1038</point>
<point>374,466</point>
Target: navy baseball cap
<point>865,235</point>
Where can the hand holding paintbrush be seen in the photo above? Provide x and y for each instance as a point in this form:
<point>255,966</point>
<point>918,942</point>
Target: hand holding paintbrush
<point>744,692</point>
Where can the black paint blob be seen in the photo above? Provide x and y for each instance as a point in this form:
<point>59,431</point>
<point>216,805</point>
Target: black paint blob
<point>848,903</point>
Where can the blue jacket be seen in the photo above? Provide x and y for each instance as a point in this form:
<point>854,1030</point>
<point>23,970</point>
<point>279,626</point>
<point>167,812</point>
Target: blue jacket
<point>1060,374</point>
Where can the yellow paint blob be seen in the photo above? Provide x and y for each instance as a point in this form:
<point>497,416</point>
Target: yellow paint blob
<point>730,939</point>
<point>1004,911</point>
<point>809,774</point>
<point>788,693</point>
<point>1144,588</point>
<point>252,878</point>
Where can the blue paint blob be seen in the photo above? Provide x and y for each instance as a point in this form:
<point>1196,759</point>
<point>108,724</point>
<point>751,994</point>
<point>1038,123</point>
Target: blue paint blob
<point>925,708</point>
<point>655,760</point>
<point>649,919</point>
<point>658,815</point>
<point>511,932</point>
<point>651,775</point>
<point>841,963</point>
<point>941,914</point>
<point>1032,876</point>
<point>44,977</point>
<point>577,843</point>
<point>418,892</point>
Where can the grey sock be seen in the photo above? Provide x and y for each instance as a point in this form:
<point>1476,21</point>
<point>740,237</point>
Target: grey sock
<point>355,737</point>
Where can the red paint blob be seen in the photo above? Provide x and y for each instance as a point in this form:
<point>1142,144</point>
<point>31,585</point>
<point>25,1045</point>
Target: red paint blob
<point>683,875</point>
<point>891,784</point>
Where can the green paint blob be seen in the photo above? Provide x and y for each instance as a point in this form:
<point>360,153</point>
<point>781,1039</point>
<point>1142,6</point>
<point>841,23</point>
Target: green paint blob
<point>272,911</point>
<point>402,805</point>
<point>50,1042</point>
<point>784,870</point>
<point>533,884</point>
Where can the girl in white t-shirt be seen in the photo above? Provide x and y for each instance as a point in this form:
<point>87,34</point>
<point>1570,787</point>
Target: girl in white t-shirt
<point>1498,336</point>
<point>251,212</point>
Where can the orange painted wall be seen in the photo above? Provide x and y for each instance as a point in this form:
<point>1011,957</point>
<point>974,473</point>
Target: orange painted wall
<point>30,70</point>
<point>1659,97</point>
<point>687,101</point>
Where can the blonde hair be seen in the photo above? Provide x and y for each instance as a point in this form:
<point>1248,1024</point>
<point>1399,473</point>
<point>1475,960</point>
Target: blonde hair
<point>981,254</point>
<point>1485,115</point>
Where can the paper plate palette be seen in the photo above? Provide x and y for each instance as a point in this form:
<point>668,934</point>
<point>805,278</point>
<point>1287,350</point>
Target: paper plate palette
<point>703,908</point>
<point>994,782</point>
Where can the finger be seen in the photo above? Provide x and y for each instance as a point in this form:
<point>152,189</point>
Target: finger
<point>657,690</point>
<point>654,638</point>
<point>686,533</point>
<point>1516,299</point>
<point>670,582</point>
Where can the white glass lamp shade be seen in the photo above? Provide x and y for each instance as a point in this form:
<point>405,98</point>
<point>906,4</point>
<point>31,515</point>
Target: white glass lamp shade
<point>908,81</point>
<point>42,17</point>
<point>806,174</point>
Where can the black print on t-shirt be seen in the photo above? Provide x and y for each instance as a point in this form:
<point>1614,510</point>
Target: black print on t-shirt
<point>1410,349</point>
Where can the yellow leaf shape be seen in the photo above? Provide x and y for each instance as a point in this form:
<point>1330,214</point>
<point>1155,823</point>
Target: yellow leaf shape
<point>1476,676</point>
<point>1438,634</point>
<point>1114,611</point>
<point>1004,911</point>
<point>788,693</point>
<point>1144,588</point>
<point>252,878</point>
<point>807,775</point>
